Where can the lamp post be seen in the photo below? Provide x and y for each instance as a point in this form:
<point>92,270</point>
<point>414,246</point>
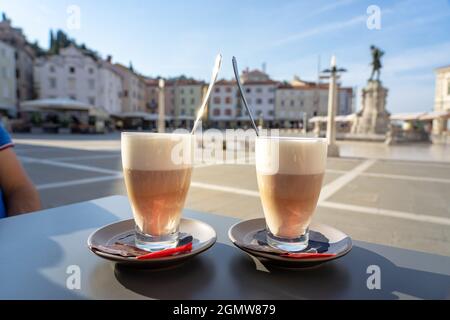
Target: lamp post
<point>161,107</point>
<point>333,75</point>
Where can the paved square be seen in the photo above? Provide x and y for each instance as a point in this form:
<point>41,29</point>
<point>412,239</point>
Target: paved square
<point>398,203</point>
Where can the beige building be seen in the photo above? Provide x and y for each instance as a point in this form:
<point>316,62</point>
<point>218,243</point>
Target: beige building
<point>133,97</point>
<point>441,114</point>
<point>298,99</point>
<point>24,57</point>
<point>260,94</point>
<point>7,79</point>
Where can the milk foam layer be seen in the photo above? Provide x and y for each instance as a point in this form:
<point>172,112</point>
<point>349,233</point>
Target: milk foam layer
<point>156,151</point>
<point>290,155</point>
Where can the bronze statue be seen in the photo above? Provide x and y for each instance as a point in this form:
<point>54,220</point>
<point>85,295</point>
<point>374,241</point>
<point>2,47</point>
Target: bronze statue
<point>376,62</point>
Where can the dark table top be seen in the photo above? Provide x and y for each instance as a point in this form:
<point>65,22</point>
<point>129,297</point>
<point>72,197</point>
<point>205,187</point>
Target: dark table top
<point>37,249</point>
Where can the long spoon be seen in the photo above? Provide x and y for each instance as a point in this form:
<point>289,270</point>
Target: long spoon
<point>214,75</point>
<point>241,90</point>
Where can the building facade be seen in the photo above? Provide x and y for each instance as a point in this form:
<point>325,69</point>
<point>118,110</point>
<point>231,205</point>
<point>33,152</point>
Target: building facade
<point>442,89</point>
<point>260,92</point>
<point>223,104</point>
<point>70,74</point>
<point>110,88</point>
<point>133,85</point>
<point>441,122</point>
<point>24,57</point>
<point>7,79</point>
<point>188,97</point>
<point>299,99</point>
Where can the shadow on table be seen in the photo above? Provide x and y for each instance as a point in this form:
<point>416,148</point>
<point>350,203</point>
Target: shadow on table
<point>343,279</point>
<point>30,243</point>
<point>225,272</point>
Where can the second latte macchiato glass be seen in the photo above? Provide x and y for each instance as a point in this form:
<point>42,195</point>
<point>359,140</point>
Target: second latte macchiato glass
<point>157,169</point>
<point>290,173</point>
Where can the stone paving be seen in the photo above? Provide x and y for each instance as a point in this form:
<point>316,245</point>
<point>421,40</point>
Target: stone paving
<point>386,200</point>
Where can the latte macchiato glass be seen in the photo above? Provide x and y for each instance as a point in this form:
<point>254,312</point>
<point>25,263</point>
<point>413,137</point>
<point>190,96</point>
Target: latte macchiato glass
<point>157,168</point>
<point>290,173</point>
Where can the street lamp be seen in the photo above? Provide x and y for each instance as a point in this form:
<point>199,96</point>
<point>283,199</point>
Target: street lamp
<point>333,75</point>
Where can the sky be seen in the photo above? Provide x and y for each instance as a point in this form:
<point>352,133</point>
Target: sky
<point>170,38</point>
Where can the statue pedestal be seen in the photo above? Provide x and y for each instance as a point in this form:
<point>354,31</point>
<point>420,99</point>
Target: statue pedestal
<point>333,150</point>
<point>373,117</point>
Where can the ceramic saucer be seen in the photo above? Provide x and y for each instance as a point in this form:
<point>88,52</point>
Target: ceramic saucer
<point>203,235</point>
<point>325,243</point>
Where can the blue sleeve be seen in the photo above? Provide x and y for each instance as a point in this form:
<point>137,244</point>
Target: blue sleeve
<point>5,139</point>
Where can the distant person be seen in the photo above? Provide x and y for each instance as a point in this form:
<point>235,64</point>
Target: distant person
<point>17,193</point>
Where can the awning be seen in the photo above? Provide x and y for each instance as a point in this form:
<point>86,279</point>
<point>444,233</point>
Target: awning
<point>407,116</point>
<point>318,119</point>
<point>138,114</point>
<point>55,104</point>
<point>435,115</point>
<point>346,118</point>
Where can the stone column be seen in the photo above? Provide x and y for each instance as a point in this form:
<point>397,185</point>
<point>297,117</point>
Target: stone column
<point>333,150</point>
<point>161,107</point>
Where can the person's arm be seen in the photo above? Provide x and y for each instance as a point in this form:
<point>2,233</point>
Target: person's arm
<point>18,191</point>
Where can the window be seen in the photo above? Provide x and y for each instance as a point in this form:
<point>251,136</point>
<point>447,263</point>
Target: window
<point>125,93</point>
<point>72,69</point>
<point>91,84</point>
<point>91,70</point>
<point>216,112</point>
<point>216,100</point>
<point>183,102</point>
<point>73,97</point>
<point>258,90</point>
<point>91,101</point>
<point>183,112</point>
<point>4,72</point>
<point>192,112</point>
<point>216,89</point>
<point>228,100</point>
<point>301,103</point>
<point>52,69</point>
<point>259,113</point>
<point>258,101</point>
<point>228,89</point>
<point>52,83</point>
<point>270,101</point>
<point>192,100</point>
<point>191,91</point>
<point>270,112</point>
<point>292,103</point>
<point>228,112</point>
<point>282,103</point>
<point>248,90</point>
<point>271,90</point>
<point>72,83</point>
<point>182,91</point>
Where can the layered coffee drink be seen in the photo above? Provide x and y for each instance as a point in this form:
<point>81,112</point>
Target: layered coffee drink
<point>290,174</point>
<point>157,170</point>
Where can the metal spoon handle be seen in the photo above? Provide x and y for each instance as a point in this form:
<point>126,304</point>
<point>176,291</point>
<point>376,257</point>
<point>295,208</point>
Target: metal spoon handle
<point>214,75</point>
<point>241,91</point>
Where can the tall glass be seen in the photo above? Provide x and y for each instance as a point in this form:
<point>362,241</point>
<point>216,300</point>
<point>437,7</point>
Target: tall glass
<point>290,172</point>
<point>157,168</point>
